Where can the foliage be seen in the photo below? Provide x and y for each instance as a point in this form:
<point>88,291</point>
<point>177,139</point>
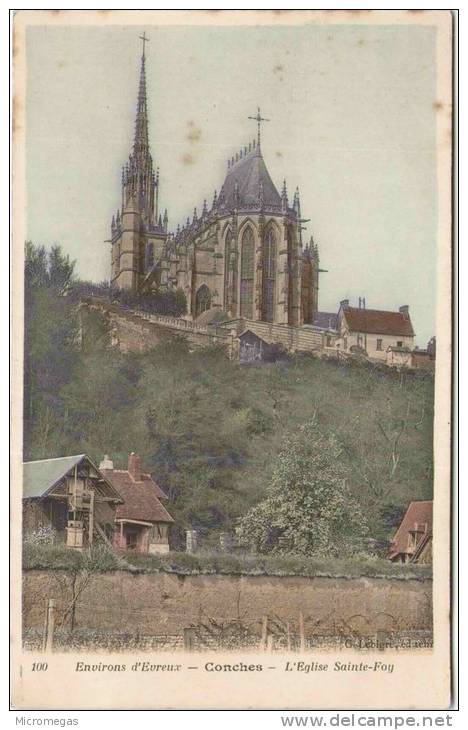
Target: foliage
<point>209,563</point>
<point>210,430</point>
<point>308,509</point>
<point>50,342</point>
<point>38,555</point>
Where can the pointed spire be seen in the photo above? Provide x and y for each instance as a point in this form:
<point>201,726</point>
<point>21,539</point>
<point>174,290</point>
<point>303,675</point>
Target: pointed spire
<point>140,144</point>
<point>195,217</point>
<point>205,209</point>
<point>215,199</point>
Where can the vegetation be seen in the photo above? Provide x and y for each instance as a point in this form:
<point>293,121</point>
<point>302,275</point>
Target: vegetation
<point>216,434</point>
<point>309,509</point>
<point>99,559</point>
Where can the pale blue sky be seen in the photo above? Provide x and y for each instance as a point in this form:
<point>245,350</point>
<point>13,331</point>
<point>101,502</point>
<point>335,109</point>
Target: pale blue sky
<point>352,123</point>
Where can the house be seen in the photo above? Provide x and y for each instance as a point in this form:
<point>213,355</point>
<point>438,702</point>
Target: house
<point>142,522</point>
<point>70,496</point>
<point>373,331</point>
<point>412,542</point>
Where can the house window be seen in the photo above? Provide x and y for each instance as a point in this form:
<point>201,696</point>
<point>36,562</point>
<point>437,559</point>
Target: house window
<point>329,341</point>
<point>399,343</point>
<point>345,343</point>
<point>379,344</point>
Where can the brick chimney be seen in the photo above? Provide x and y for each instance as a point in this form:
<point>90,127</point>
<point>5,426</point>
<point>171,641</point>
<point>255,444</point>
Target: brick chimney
<point>134,467</point>
<point>404,309</point>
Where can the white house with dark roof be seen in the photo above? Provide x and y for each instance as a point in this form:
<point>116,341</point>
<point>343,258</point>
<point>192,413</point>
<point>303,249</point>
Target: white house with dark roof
<point>375,332</point>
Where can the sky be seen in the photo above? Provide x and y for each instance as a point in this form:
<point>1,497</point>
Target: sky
<point>352,123</point>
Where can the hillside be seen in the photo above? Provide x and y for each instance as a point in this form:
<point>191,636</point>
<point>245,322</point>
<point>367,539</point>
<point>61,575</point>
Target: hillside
<point>209,429</point>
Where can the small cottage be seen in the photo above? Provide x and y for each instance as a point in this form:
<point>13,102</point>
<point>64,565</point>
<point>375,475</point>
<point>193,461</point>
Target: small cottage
<point>374,331</point>
<point>413,539</point>
<point>71,497</point>
<point>142,522</point>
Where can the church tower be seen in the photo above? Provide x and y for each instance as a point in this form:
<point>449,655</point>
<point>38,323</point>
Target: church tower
<point>138,234</point>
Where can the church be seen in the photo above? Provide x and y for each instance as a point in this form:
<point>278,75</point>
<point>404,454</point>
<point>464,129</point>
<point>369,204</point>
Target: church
<point>240,257</point>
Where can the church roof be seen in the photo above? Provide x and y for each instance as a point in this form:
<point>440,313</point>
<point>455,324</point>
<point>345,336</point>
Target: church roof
<point>246,182</point>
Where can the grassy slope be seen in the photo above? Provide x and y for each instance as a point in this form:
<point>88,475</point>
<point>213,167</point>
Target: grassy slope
<point>209,429</point>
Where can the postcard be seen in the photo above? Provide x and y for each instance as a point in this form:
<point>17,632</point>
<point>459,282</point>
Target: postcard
<point>232,310</point>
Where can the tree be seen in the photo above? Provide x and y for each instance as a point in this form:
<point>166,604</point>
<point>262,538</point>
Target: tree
<point>50,352</point>
<point>308,509</point>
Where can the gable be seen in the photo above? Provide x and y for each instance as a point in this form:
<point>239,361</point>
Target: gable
<point>40,477</point>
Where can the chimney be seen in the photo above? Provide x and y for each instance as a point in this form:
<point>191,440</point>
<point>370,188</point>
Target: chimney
<point>134,467</point>
<point>345,303</point>
<point>404,310</point>
<point>106,463</point>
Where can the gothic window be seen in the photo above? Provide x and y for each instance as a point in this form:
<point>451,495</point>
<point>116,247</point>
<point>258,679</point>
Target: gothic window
<point>291,265</point>
<point>227,269</point>
<point>307,291</point>
<point>202,300</point>
<point>247,274</point>
<point>149,255</point>
<point>269,275</point>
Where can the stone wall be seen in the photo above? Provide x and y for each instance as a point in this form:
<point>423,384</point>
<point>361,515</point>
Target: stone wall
<point>161,603</point>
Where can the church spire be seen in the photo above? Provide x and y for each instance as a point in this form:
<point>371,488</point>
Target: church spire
<point>140,144</point>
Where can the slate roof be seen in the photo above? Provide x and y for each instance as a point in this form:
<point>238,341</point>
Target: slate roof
<point>141,499</point>
<point>419,513</point>
<point>376,321</point>
<point>41,476</point>
<point>249,172</point>
<point>326,320</point>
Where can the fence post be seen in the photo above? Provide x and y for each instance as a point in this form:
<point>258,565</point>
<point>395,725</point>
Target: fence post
<point>263,641</point>
<point>301,630</point>
<point>188,639</point>
<point>50,625</point>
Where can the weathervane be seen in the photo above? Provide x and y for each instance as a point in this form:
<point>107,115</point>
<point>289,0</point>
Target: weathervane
<point>259,119</point>
<point>145,39</point>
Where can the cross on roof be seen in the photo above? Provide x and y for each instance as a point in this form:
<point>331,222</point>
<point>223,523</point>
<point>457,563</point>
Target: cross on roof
<point>259,119</point>
<point>145,39</point>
